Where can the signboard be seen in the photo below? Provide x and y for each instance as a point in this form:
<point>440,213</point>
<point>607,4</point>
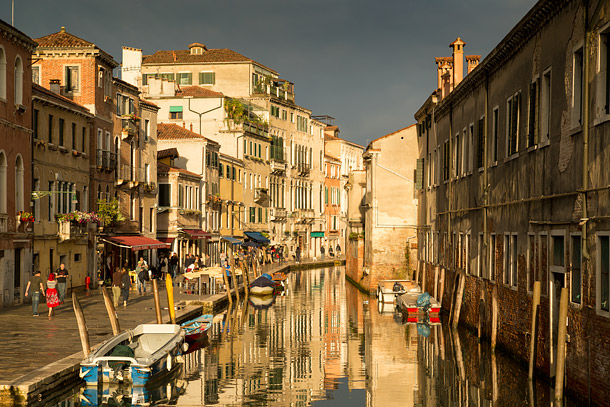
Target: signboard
<point>317,234</point>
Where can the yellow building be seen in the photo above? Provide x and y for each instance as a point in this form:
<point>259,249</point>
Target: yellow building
<point>231,175</point>
<point>61,131</point>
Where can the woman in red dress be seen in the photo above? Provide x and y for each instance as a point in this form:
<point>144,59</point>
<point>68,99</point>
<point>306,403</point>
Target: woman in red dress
<point>52,298</point>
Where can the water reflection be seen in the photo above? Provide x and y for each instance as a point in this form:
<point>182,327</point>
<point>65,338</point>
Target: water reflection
<point>325,343</point>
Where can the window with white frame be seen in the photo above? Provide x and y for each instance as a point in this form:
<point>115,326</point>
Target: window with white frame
<point>72,79</point>
<point>532,120</point>
<point>545,107</point>
<point>470,155</point>
<point>492,257</point>
<point>513,113</point>
<point>543,257</point>
<point>480,255</point>
<point>2,73</point>
<point>576,269</point>
<point>577,87</point>
<point>603,272</point>
<point>18,81</point>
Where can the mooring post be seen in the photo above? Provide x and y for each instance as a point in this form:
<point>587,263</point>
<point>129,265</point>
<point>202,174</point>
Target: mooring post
<point>226,280</point>
<point>234,277</point>
<point>534,329</point>
<point>114,321</point>
<point>561,345</point>
<point>458,299</point>
<point>245,274</point>
<point>169,287</point>
<point>82,325</point>
<point>157,301</point>
<point>494,318</point>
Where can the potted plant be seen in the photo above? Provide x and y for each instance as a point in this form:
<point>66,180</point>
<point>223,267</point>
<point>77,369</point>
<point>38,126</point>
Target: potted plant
<point>26,217</point>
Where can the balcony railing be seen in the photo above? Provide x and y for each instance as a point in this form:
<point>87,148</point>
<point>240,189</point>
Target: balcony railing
<point>305,214</point>
<point>105,160</point>
<point>71,230</point>
<point>303,169</point>
<point>130,127</point>
<point>3,223</point>
<point>278,214</point>
<point>277,166</point>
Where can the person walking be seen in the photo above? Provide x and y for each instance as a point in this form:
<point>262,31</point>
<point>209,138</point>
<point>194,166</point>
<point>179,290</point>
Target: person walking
<point>298,254</point>
<point>116,287</point>
<point>322,252</point>
<point>163,267</point>
<point>36,284</point>
<point>142,276</point>
<point>52,297</point>
<point>173,261</point>
<point>125,285</point>
<point>62,277</point>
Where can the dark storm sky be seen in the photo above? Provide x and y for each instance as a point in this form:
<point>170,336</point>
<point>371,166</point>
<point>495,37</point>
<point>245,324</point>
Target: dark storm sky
<point>370,64</point>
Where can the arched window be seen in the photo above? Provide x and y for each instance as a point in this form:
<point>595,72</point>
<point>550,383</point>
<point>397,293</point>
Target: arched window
<point>19,188</point>
<point>18,81</point>
<point>3,187</point>
<point>2,73</point>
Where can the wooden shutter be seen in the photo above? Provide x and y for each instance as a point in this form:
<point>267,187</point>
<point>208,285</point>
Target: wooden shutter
<point>419,174</point>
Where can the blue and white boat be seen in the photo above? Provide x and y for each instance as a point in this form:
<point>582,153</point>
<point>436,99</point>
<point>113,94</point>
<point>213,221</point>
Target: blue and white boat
<point>135,356</point>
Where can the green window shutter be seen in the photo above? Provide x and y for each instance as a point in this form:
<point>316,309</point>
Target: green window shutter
<point>419,174</point>
<point>220,170</point>
<point>175,109</point>
<point>326,195</point>
<point>260,215</point>
<point>207,78</point>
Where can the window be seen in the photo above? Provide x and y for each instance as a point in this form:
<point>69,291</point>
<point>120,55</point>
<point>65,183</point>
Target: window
<point>61,131</point>
<point>36,74</point>
<point>532,124</point>
<point>480,255</point>
<point>185,78</point>
<point>220,170</point>
<point>73,136</point>
<point>252,214</point>
<point>275,111</point>
<point>577,88</point>
<point>207,78</point>
<point>18,81</point>
<point>531,262</point>
<point>507,259</point>
<point>50,129</point>
<point>543,261</point>
<point>19,185</point>
<point>469,149</point>
<point>492,257</point>
<point>2,73</point>
<point>35,123</point>
<point>576,271</point>
<point>146,129</point>
<point>545,107</point>
<point>83,144</point>
<point>457,160</point>
<point>603,272</point>
<point>603,90</point>
<point>446,156</point>
<point>72,79</point>
<point>164,195</point>
<point>494,135</point>
<point>175,112</point>
<point>558,254</point>
<point>513,113</point>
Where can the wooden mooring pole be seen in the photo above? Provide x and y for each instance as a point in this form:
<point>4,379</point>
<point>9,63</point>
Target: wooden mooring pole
<point>494,318</point>
<point>157,301</point>
<point>458,300</point>
<point>234,278</point>
<point>169,287</point>
<point>226,280</point>
<point>114,320</point>
<point>561,345</point>
<point>534,330</point>
<point>82,325</point>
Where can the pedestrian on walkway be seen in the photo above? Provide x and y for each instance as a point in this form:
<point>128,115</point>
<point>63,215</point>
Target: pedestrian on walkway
<point>174,264</point>
<point>228,272</point>
<point>52,298</point>
<point>62,276</point>
<point>142,276</point>
<point>36,284</point>
<point>322,252</point>
<point>125,285</point>
<point>116,287</point>
<point>163,266</point>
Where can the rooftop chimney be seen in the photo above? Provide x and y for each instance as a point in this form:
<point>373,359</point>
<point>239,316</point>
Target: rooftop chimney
<point>444,65</point>
<point>458,60</point>
<point>54,86</point>
<point>472,61</point>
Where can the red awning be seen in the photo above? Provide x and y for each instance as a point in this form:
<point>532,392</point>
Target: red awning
<point>168,240</point>
<point>137,242</point>
<point>197,233</point>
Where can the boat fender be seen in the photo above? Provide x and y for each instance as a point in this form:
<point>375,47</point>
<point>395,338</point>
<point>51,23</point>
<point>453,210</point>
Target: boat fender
<point>185,347</point>
<point>169,362</point>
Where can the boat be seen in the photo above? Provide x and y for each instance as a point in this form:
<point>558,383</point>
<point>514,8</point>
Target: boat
<point>135,355</point>
<point>263,285</point>
<point>279,276</point>
<point>197,328</point>
<point>418,307</point>
<point>262,302</point>
<point>389,290</point>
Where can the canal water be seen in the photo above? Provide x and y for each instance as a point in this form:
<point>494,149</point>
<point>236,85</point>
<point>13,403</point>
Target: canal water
<point>324,343</point>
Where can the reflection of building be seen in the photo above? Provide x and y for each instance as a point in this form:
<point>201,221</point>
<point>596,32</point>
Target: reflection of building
<point>332,203</point>
<point>61,166</point>
<point>354,250</point>
<point>15,162</point>
<point>391,205</point>
<point>516,187</point>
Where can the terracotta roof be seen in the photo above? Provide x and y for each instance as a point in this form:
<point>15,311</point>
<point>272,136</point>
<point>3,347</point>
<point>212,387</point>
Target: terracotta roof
<point>168,152</point>
<point>148,103</point>
<point>328,137</point>
<point>197,92</point>
<point>171,131</point>
<point>332,128</point>
<point>185,57</point>
<point>164,169</point>
<point>39,89</point>
<point>62,39</point>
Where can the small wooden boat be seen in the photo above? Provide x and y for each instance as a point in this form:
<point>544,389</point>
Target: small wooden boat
<point>279,276</point>
<point>418,307</point>
<point>263,285</point>
<point>389,290</point>
<point>197,328</point>
<point>136,355</point>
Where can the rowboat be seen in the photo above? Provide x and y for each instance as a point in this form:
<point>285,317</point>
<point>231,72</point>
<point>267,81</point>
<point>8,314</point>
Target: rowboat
<point>197,329</point>
<point>263,285</point>
<point>418,307</point>
<point>389,290</point>
<point>136,355</point>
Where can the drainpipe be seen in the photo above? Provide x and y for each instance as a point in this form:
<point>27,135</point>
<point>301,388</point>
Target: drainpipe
<point>585,131</point>
<point>485,158</point>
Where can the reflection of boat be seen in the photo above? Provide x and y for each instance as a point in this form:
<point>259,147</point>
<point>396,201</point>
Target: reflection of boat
<point>197,329</point>
<point>164,393</point>
<point>263,285</point>
<point>418,307</point>
<point>389,290</point>
<point>262,302</point>
<point>135,355</point>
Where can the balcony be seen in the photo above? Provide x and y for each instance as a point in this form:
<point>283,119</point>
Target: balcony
<point>261,196</point>
<point>275,91</point>
<point>278,167</point>
<point>129,126</point>
<point>3,223</point>
<point>278,215</point>
<point>303,169</point>
<point>72,230</point>
<point>150,188</point>
<point>304,214</point>
<point>105,160</point>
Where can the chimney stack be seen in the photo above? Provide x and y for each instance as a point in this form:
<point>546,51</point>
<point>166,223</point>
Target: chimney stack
<point>458,60</point>
<point>472,61</point>
<point>54,86</point>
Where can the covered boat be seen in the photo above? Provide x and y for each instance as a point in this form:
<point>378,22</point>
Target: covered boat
<point>262,302</point>
<point>136,355</point>
<point>418,307</point>
<point>263,285</point>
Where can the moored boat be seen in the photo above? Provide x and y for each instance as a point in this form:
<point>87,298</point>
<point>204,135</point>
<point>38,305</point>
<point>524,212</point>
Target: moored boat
<point>389,290</point>
<point>197,328</point>
<point>263,285</point>
<point>418,307</point>
<point>136,355</point>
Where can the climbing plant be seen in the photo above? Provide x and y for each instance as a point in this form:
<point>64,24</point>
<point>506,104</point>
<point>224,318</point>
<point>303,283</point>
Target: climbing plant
<point>109,212</point>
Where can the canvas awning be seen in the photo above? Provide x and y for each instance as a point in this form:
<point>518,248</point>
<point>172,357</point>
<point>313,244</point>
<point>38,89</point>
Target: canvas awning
<point>231,240</point>
<point>257,237</point>
<point>197,233</point>
<point>168,240</point>
<point>136,243</point>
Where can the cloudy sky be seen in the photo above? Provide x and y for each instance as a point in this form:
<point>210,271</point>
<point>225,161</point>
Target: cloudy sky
<point>368,63</point>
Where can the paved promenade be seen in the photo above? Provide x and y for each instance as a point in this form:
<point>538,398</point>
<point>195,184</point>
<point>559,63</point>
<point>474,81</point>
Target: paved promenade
<point>37,351</point>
